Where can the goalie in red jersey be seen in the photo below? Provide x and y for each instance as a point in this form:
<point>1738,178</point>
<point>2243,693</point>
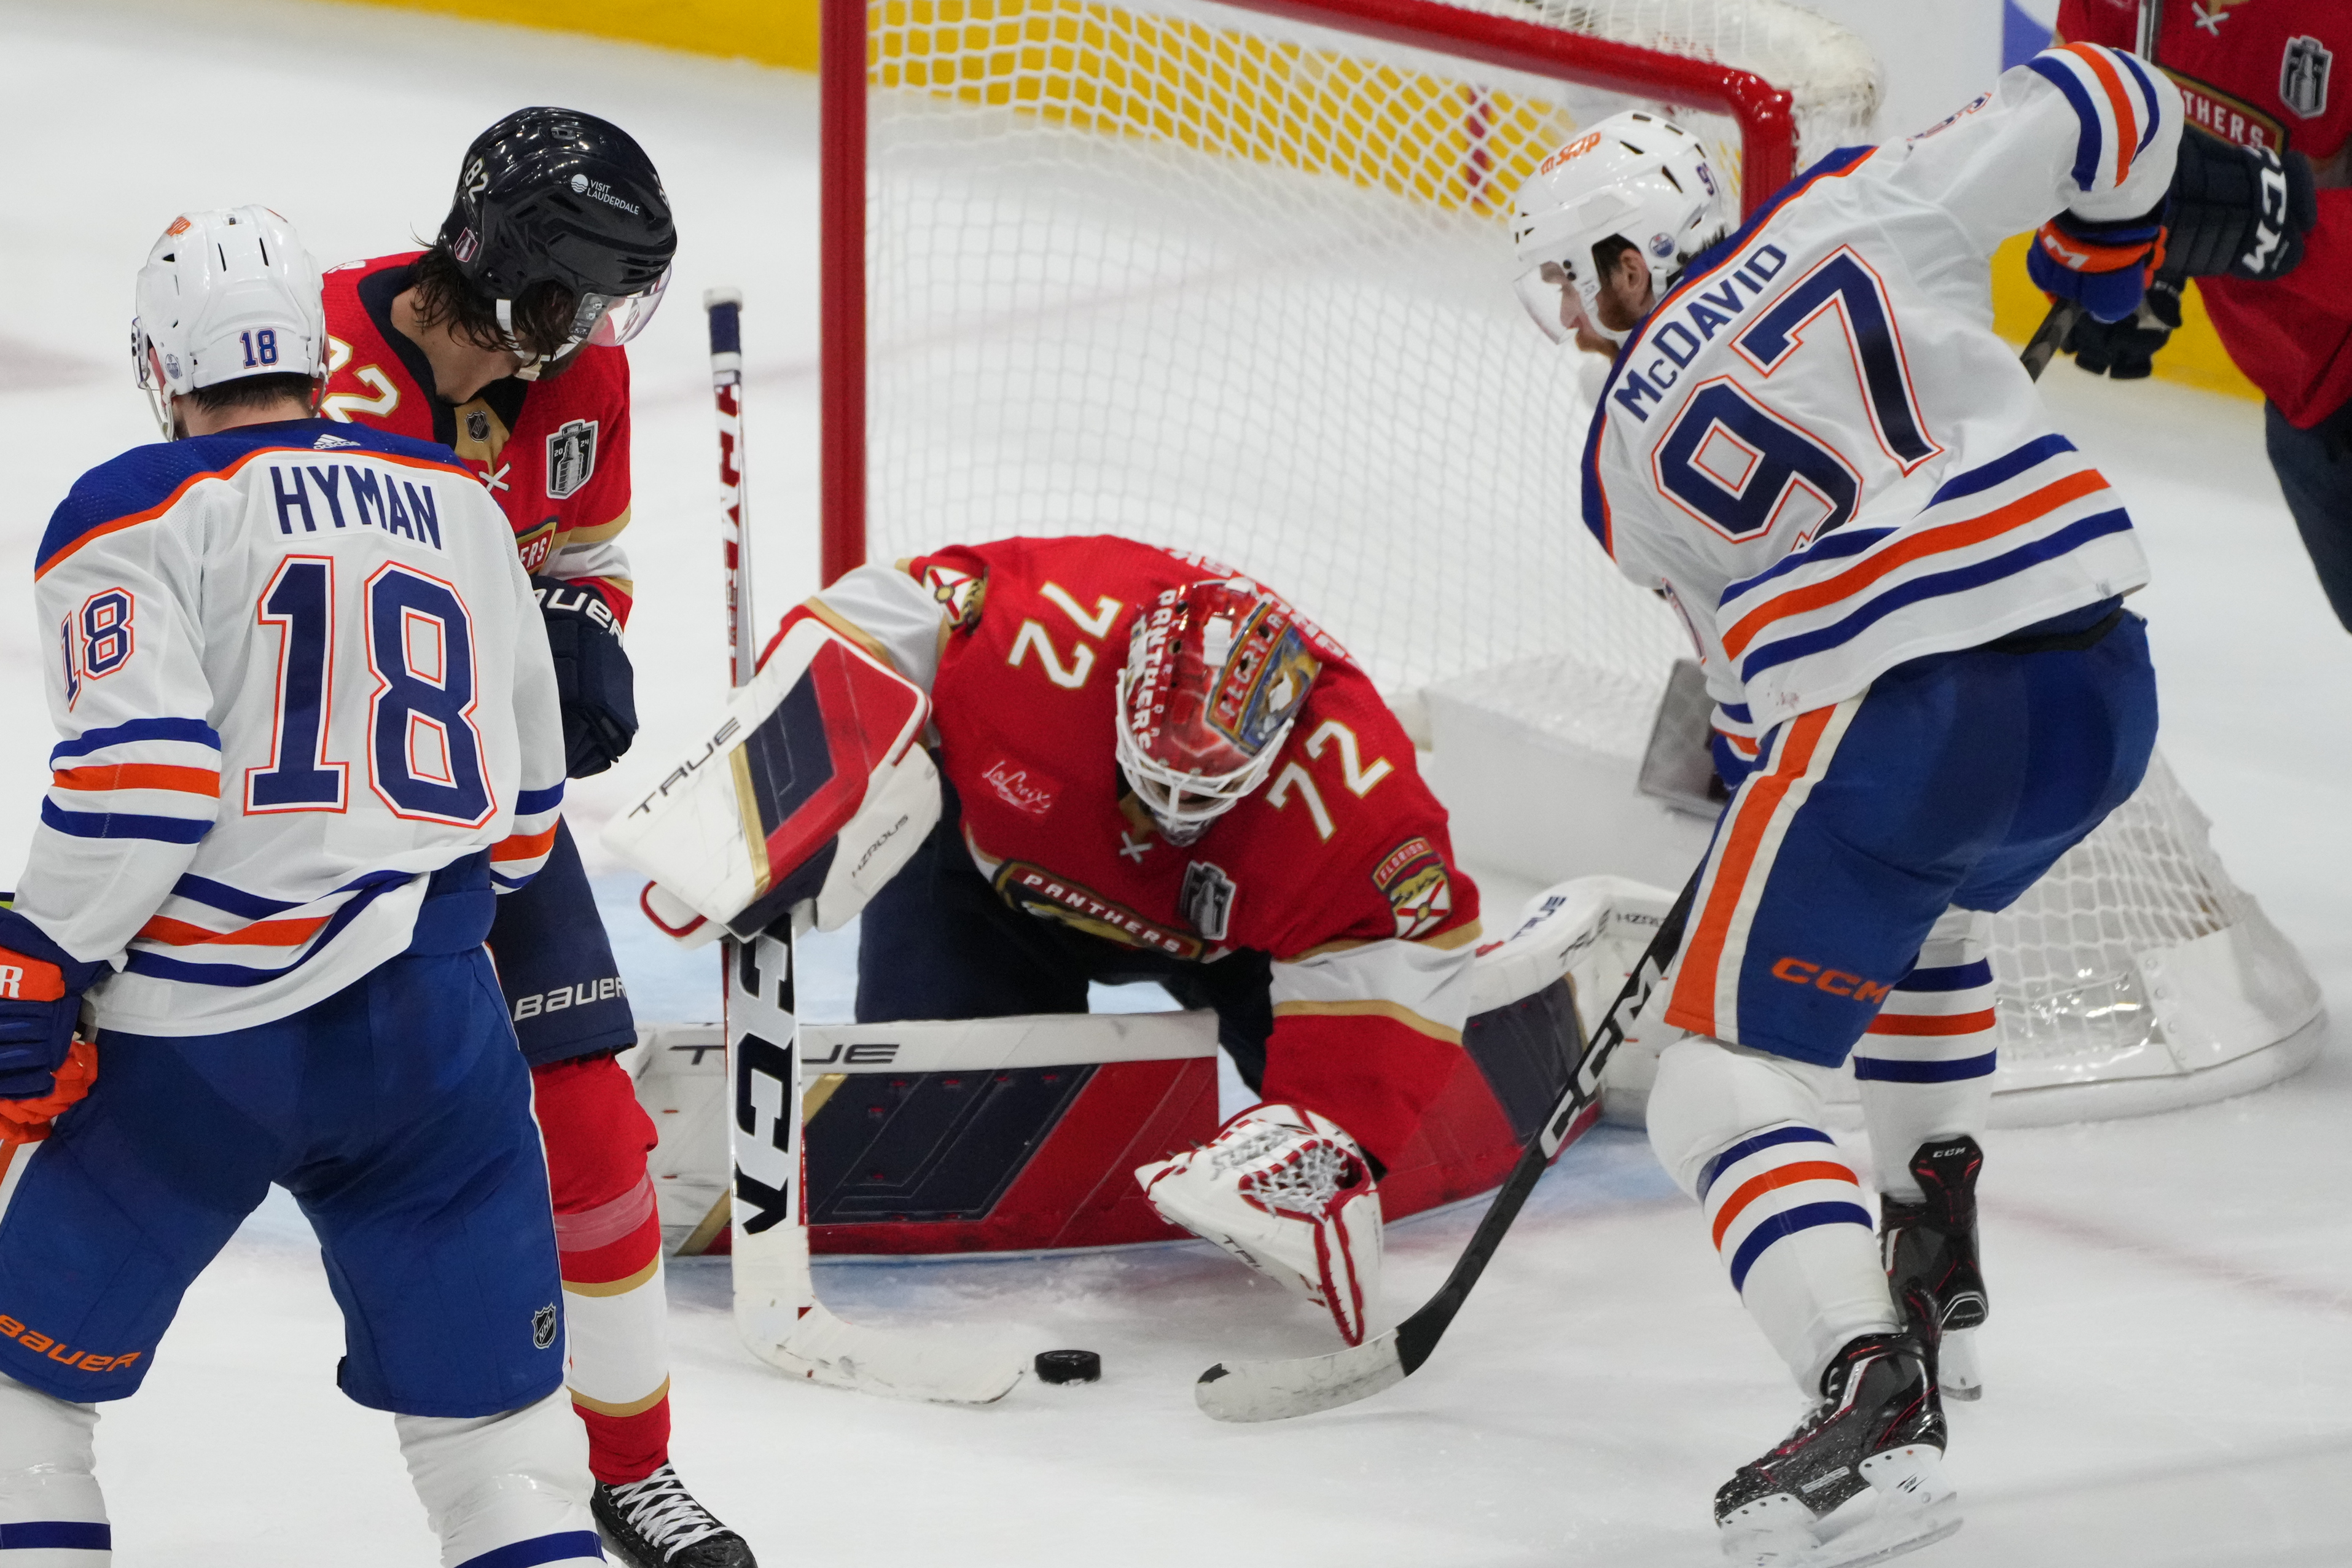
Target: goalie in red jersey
<point>1152,768</point>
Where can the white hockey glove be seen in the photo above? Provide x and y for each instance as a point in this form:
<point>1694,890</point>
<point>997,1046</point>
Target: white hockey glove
<point>1290,1194</point>
<point>809,795</point>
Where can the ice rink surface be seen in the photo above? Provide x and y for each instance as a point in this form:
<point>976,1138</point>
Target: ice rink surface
<point>2171,1360</point>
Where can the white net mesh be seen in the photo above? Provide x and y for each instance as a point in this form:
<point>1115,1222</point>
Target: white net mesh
<point>1237,285</point>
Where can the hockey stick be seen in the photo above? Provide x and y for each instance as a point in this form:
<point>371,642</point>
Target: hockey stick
<point>2044,345</point>
<point>777,1313</point>
<point>1275,1390</point>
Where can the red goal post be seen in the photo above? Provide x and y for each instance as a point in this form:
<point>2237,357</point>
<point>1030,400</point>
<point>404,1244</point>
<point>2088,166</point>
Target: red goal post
<point>1763,112</point>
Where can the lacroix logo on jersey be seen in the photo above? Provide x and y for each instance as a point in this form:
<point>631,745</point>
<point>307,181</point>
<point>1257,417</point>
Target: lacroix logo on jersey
<point>1024,787</point>
<point>1574,149</point>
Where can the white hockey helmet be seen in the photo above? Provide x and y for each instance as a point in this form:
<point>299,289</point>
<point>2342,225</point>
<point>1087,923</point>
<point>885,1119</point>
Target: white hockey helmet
<point>1633,176</point>
<point>1216,674</point>
<point>225,295</point>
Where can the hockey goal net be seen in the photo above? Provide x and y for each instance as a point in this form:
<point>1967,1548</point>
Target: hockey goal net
<point>1234,279</point>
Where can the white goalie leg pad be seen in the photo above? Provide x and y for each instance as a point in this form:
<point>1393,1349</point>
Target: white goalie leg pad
<point>510,1488</point>
<point>1290,1194</point>
<point>1741,1131</point>
<point>52,1514</point>
<point>1925,1069</point>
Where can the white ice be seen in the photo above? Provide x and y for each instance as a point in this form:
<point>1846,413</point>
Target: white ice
<point>2172,1356</point>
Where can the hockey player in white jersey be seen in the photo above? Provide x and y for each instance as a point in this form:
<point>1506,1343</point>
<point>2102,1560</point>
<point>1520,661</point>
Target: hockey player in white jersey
<point>1906,591</point>
<point>307,722</point>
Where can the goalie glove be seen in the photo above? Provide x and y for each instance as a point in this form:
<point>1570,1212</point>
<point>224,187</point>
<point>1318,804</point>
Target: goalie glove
<point>809,795</point>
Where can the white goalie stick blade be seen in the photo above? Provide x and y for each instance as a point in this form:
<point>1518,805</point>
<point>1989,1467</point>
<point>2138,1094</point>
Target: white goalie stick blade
<point>942,1368</point>
<point>777,1314</point>
<point>1276,1390</point>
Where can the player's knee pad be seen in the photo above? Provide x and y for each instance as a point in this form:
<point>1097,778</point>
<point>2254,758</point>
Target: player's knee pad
<point>1925,1068</point>
<point>1710,1094</point>
<point>516,1483</point>
<point>51,1505</point>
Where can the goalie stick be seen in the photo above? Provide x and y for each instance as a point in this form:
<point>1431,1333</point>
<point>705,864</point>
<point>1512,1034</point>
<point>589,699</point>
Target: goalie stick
<point>777,1313</point>
<point>1276,1390</point>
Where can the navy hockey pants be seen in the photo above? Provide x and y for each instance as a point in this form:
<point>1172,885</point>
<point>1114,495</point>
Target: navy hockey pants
<point>1958,779</point>
<point>398,1113</point>
<point>2315,475</point>
<point>555,964</point>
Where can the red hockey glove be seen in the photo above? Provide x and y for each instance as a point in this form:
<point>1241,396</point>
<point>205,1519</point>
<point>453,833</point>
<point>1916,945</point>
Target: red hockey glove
<point>27,1120</point>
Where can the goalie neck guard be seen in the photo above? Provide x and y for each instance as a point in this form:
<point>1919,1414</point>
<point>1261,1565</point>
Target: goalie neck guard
<point>1216,674</point>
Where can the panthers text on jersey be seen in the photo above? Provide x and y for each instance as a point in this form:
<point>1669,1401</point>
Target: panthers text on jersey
<point>2260,73</point>
<point>554,453</point>
<point>1339,866</point>
<point>297,668</point>
<point>1814,445</point>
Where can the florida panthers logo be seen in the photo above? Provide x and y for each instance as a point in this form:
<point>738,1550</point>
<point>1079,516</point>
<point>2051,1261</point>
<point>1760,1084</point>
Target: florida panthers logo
<point>1412,878</point>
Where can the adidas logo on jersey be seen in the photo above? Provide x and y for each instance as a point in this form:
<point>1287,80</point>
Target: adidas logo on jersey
<point>329,442</point>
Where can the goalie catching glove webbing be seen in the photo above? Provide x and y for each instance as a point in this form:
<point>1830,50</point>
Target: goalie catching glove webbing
<point>810,794</point>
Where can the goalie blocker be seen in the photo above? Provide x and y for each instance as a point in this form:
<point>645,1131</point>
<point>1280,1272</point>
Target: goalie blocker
<point>808,795</point>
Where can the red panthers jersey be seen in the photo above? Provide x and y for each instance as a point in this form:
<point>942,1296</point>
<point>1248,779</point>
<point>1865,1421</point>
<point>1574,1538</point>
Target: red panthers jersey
<point>554,453</point>
<point>1339,866</point>
<point>2262,73</point>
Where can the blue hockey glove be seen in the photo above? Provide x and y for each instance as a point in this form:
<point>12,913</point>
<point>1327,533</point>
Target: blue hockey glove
<point>2106,266</point>
<point>593,682</point>
<point>40,1002</point>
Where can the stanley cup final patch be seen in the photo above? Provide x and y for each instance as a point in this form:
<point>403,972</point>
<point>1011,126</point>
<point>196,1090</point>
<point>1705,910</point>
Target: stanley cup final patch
<point>570,458</point>
<point>1412,877</point>
<point>1208,899</point>
<point>2303,77</point>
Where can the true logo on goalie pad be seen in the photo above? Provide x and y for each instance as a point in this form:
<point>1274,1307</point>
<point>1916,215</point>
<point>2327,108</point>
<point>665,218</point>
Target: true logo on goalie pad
<point>570,458</point>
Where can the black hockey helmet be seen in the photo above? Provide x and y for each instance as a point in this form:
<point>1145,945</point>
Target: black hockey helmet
<point>555,195</point>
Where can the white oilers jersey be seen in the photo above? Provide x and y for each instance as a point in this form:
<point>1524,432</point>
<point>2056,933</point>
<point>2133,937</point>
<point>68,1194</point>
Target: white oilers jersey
<point>297,669</point>
<point>1815,444</point>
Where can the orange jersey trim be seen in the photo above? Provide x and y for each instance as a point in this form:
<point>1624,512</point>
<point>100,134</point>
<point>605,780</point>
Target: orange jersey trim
<point>141,776</point>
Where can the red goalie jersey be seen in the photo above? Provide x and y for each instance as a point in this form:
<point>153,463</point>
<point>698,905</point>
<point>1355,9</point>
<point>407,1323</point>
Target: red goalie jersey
<point>554,453</point>
<point>1338,867</point>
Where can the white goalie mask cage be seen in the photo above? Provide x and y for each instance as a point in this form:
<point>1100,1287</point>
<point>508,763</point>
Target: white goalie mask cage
<point>225,293</point>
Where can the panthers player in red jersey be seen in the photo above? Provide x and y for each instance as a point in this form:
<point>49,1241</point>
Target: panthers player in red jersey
<point>503,341</point>
<point>1155,769</point>
<point>2261,74</point>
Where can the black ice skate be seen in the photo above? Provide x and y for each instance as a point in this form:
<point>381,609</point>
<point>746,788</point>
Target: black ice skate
<point>656,1523</point>
<point>1930,1249</point>
<point>1860,1480</point>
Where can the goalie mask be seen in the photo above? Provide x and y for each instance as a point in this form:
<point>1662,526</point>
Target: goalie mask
<point>1633,177</point>
<point>1216,674</point>
<point>225,294</point>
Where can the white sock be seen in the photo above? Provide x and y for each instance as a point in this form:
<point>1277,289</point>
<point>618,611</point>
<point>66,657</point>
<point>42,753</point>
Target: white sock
<point>52,1514</point>
<point>499,1482</point>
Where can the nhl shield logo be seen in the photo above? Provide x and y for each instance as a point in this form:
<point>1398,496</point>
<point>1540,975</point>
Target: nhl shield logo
<point>570,458</point>
<point>542,1327</point>
<point>477,426</point>
<point>2303,77</point>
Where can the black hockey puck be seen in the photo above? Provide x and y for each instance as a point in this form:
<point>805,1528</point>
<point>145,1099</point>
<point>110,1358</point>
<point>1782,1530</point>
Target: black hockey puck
<point>1068,1367</point>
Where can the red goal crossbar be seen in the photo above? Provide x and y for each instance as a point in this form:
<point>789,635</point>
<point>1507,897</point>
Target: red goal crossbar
<point>1767,131</point>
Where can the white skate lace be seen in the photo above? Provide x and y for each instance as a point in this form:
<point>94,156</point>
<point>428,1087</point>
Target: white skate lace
<point>660,1509</point>
<point>1304,1184</point>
